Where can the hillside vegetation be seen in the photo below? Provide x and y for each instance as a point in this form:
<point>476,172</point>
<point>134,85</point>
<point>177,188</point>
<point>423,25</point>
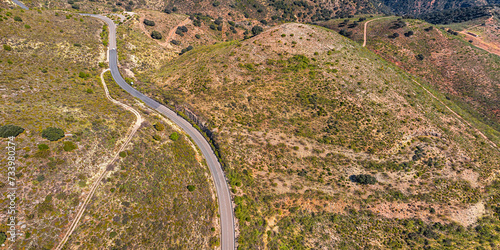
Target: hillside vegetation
<point>66,129</point>
<point>304,119</point>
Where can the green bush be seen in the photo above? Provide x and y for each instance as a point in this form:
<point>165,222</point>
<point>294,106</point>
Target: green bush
<point>122,154</point>
<point>69,146</point>
<point>159,127</point>
<point>53,134</point>
<point>10,130</point>
<point>7,47</point>
<point>174,136</point>
<point>191,188</point>
<point>157,137</point>
<point>156,35</point>
<point>18,19</point>
<point>43,147</point>
<point>40,178</point>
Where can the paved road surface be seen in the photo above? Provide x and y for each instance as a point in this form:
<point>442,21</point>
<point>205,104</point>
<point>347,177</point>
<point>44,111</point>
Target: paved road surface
<point>223,195</point>
<point>20,4</point>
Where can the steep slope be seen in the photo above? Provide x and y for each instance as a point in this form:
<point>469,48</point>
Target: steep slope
<point>299,113</point>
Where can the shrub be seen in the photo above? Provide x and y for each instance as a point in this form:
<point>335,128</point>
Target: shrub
<point>257,30</point>
<point>174,136</point>
<point>7,47</point>
<point>216,3</point>
<point>43,147</point>
<point>409,33</point>
<point>89,91</point>
<point>40,178</point>
<point>212,26</point>
<point>3,237</point>
<point>83,75</point>
<point>122,154</point>
<point>53,134</point>
<point>395,35</point>
<point>159,127</point>
<point>156,35</point>
<point>27,26</point>
<point>219,28</point>
<point>419,57</point>
<point>345,33</point>
<point>191,188</point>
<point>429,28</point>
<point>175,42</point>
<point>197,36</point>
<point>10,130</point>
<point>18,19</point>
<point>263,22</point>
<point>363,179</point>
<point>182,29</point>
<point>174,9</point>
<point>69,146</point>
<point>75,6</point>
<point>149,22</point>
<point>157,137</point>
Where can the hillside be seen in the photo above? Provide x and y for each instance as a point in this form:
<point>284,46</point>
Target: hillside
<point>416,7</point>
<point>50,63</point>
<point>302,116</point>
<point>449,62</point>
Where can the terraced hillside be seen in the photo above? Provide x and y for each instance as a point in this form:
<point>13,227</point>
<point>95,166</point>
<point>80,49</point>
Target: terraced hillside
<point>50,63</point>
<point>326,144</point>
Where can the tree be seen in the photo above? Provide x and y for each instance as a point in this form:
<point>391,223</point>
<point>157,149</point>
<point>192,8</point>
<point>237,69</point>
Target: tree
<point>159,126</point>
<point>52,134</point>
<point>191,188</point>
<point>174,136</point>
<point>257,30</point>
<point>10,130</point>
<point>419,57</point>
<point>18,19</point>
<point>149,22</point>
<point>156,35</point>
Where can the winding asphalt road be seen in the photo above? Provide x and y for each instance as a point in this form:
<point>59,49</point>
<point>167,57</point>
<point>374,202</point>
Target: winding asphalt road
<point>223,195</point>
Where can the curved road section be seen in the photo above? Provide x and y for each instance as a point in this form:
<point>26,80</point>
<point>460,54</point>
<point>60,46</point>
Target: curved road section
<point>224,197</point>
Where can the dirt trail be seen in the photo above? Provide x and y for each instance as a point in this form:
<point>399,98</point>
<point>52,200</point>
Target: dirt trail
<point>366,25</point>
<point>170,34</point>
<point>131,133</point>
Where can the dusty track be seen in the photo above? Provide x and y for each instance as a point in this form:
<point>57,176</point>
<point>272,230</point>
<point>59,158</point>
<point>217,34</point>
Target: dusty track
<point>131,133</point>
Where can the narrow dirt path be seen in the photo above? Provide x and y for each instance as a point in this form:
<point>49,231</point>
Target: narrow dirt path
<point>459,117</point>
<point>170,34</point>
<point>366,25</point>
<point>131,133</point>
